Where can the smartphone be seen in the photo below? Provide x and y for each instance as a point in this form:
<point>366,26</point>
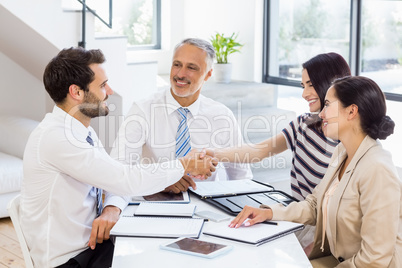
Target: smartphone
<point>196,247</point>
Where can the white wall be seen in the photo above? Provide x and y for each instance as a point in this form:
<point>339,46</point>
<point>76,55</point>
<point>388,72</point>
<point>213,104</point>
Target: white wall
<point>21,93</point>
<point>180,19</point>
<point>47,17</point>
<point>33,33</point>
<point>202,19</point>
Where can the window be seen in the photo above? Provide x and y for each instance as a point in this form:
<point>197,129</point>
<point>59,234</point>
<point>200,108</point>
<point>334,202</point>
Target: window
<point>367,33</point>
<point>381,50</point>
<point>301,29</point>
<point>139,20</point>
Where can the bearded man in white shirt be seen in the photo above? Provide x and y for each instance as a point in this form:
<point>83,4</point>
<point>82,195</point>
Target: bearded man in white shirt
<point>150,130</point>
<point>65,168</point>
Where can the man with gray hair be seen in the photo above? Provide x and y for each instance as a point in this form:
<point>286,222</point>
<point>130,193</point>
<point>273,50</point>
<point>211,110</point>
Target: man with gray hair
<point>170,123</point>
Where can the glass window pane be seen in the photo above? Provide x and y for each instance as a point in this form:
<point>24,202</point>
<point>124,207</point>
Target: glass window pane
<point>136,19</point>
<point>381,47</point>
<point>301,29</point>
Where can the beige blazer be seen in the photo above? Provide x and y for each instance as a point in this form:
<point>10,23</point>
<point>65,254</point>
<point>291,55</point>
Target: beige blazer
<point>365,212</point>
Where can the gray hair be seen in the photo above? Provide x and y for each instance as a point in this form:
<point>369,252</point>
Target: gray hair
<point>202,44</point>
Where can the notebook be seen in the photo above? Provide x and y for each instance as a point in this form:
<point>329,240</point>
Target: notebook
<point>158,227</point>
<point>163,209</point>
<point>257,234</point>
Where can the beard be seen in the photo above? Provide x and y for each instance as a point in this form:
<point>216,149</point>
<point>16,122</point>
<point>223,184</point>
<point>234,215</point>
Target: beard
<point>93,106</point>
<point>181,92</point>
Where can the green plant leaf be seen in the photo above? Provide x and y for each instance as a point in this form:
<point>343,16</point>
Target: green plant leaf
<point>225,46</point>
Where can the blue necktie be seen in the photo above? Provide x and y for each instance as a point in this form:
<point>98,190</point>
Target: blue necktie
<point>183,145</point>
<point>98,191</point>
<point>89,139</point>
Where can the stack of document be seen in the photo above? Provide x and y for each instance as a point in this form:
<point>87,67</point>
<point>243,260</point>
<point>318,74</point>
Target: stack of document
<point>158,227</point>
<point>160,220</point>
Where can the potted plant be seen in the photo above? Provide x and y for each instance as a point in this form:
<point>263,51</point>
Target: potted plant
<point>224,46</point>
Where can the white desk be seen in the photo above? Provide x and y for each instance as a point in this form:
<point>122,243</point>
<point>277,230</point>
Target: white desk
<point>284,252</point>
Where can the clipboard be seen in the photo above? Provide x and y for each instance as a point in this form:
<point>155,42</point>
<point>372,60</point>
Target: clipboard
<point>245,192</point>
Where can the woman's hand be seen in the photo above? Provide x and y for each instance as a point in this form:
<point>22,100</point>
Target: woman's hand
<point>254,215</point>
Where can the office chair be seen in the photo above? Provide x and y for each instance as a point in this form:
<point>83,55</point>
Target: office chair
<point>13,209</point>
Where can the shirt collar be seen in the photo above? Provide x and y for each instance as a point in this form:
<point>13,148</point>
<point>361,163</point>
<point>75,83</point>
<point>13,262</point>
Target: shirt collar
<point>171,102</point>
<point>78,130</point>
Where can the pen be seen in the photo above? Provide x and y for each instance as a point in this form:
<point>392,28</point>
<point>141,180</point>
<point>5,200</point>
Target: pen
<point>269,222</point>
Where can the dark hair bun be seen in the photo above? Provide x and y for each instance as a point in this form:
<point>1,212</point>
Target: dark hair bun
<point>382,129</point>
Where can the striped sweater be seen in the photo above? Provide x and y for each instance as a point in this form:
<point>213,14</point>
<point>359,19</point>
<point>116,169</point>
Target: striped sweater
<point>311,152</point>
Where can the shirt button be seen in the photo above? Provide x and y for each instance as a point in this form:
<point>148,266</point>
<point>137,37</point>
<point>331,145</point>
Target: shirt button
<point>340,259</point>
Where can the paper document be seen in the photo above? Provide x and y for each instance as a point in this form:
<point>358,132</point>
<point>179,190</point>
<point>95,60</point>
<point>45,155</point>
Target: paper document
<point>163,209</point>
<point>207,189</point>
<point>158,227</point>
<point>257,234</point>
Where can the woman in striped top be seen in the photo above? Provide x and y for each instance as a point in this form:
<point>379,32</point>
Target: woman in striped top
<point>303,136</point>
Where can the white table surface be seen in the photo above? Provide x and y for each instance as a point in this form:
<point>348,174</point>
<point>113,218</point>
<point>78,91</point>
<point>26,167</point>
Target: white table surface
<point>283,252</point>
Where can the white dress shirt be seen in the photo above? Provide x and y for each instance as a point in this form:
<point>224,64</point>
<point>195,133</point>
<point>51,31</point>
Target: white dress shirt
<point>148,133</point>
<point>60,169</point>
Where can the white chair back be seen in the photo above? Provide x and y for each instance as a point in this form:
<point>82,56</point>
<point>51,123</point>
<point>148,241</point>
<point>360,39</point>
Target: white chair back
<point>14,210</point>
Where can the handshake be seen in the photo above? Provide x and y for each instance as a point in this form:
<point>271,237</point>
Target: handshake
<point>199,164</point>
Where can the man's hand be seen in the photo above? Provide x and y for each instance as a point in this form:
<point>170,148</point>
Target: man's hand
<point>102,225</point>
<point>196,167</point>
<point>182,185</point>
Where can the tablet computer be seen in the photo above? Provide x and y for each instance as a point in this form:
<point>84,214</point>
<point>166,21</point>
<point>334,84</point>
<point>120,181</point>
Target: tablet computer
<point>162,197</point>
<point>196,247</point>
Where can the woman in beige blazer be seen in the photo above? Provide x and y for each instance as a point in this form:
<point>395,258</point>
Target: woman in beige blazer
<point>357,206</point>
